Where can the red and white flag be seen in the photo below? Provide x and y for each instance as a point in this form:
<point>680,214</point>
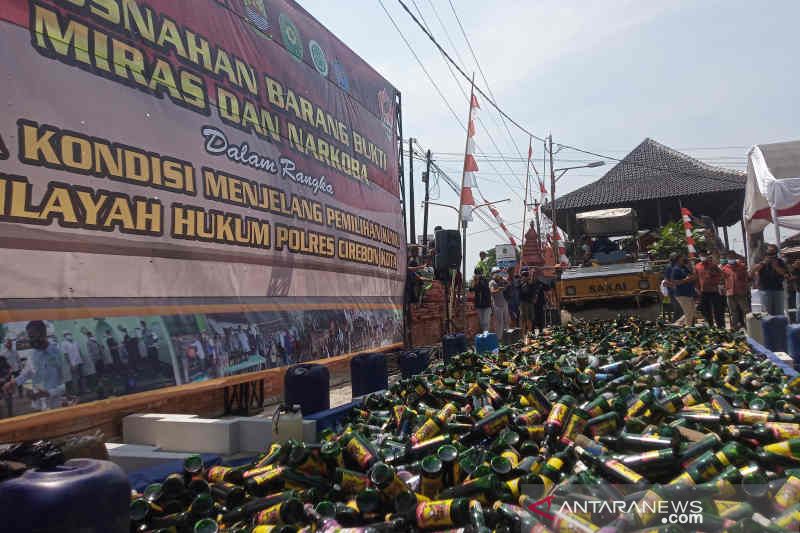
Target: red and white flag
<point>686,215</point>
<point>470,165</point>
<point>469,182</point>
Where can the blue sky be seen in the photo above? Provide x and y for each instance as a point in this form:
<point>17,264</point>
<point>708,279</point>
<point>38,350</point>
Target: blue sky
<point>598,75</point>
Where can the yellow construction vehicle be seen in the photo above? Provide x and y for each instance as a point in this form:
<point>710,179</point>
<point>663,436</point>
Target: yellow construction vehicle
<point>609,278</point>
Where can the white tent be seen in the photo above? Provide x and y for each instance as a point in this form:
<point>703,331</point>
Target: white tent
<point>772,190</point>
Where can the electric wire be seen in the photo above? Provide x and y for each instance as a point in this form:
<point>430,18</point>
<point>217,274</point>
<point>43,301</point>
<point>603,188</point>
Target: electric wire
<point>491,102</point>
<point>488,87</point>
<point>480,120</point>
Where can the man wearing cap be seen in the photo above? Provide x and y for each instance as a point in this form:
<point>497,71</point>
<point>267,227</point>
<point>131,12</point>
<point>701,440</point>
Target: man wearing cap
<point>482,265</point>
<point>709,279</point>
<point>771,272</point>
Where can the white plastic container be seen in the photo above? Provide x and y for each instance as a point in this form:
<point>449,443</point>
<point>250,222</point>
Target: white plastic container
<point>287,423</point>
<point>753,326</point>
<point>755,301</point>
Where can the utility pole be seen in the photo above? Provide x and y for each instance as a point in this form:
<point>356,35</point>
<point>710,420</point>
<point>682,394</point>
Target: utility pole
<point>412,223</point>
<point>427,181</point>
<point>552,200</point>
<point>538,227</point>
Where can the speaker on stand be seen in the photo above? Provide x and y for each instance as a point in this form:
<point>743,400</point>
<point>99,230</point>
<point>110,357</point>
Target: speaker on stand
<point>448,253</point>
<point>447,259</point>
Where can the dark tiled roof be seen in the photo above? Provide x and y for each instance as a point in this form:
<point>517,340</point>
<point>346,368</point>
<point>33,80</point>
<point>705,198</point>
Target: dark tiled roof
<point>651,171</point>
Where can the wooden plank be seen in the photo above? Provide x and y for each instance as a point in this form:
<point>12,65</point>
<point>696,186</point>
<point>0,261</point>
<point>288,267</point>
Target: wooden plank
<point>57,422</point>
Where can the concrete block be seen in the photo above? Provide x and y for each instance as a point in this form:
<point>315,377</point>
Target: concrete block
<point>785,357</point>
<point>199,435</point>
<point>255,433</point>
<point>132,457</point>
<point>138,428</point>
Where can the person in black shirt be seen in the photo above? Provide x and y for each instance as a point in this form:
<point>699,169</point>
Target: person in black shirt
<point>113,349</point>
<point>526,302</point>
<point>6,375</point>
<point>131,345</point>
<point>540,290</point>
<point>483,299</point>
<point>771,271</point>
<point>533,299</point>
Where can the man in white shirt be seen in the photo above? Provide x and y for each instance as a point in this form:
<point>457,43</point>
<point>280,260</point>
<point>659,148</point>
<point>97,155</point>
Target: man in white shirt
<point>244,341</point>
<point>200,352</point>
<point>43,368</point>
<point>499,303</point>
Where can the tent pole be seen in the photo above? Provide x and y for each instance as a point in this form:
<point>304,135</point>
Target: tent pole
<point>746,244</point>
<point>725,237</point>
<point>775,222</point>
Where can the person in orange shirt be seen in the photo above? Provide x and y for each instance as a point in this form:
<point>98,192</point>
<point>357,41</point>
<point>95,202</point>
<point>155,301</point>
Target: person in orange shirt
<point>709,279</point>
<point>737,287</point>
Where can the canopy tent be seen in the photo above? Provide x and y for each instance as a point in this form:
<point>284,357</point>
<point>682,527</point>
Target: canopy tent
<point>608,222</point>
<point>773,186</point>
<point>656,181</point>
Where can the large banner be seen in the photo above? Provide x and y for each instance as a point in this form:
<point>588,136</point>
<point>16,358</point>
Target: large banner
<point>188,189</point>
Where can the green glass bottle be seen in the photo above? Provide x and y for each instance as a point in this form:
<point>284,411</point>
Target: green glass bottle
<point>431,476</point>
<point>384,478</point>
<point>286,512</point>
<point>445,513</point>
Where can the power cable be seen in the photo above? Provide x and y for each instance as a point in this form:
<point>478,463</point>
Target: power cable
<point>456,189</point>
<point>419,61</point>
<point>488,87</point>
<point>517,223</point>
<point>430,79</point>
<point>486,129</point>
<point>464,74</point>
<point>491,101</point>
<point>477,213</point>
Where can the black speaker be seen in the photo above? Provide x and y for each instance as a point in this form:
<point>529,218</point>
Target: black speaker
<point>448,252</point>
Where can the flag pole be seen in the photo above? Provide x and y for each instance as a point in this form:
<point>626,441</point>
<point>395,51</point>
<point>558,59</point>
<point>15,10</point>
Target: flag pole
<point>525,204</point>
<point>462,223</point>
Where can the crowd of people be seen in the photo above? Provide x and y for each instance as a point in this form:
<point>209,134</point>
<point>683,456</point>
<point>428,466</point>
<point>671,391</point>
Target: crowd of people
<point>508,297</point>
<point>513,297</point>
<point>724,285</point>
<point>234,348</point>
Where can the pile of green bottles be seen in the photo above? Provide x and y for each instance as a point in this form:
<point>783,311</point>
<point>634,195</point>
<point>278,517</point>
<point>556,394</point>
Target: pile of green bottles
<point>612,426</point>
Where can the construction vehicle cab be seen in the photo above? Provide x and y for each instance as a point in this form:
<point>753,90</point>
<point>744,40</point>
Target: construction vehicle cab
<point>610,274</point>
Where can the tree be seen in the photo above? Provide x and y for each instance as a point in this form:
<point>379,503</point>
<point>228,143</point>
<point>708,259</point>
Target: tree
<point>491,258</point>
<point>672,238</point>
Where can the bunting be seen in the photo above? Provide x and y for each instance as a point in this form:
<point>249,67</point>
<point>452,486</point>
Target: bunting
<point>502,225</point>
